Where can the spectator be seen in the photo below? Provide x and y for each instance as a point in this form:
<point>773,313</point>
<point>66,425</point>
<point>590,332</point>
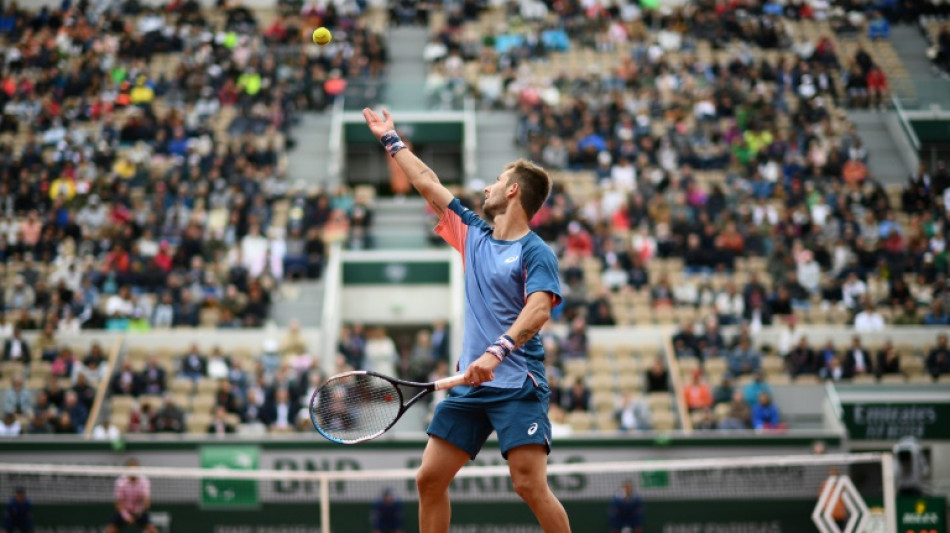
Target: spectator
<point>386,514</point>
<point>225,398</point>
<point>938,360</point>
<point>193,364</point>
<point>739,415</point>
<point>152,377</point>
<point>133,499</point>
<point>802,359</point>
<point>85,393</point>
<point>39,423</point>
<point>937,316</point>
<point>18,400</point>
<point>626,511</point>
<point>632,413</point>
<point>125,381</point>
<point>657,377</point>
<point>62,366</point>
<point>381,352</point>
<point>9,426</point>
<point>219,424</point>
<point>697,393</point>
<point>575,345</point>
<point>764,414</point>
<point>142,419</point>
<point>578,398</point>
<point>251,411</point>
<point>18,514</point>
<point>909,315</point>
<point>16,348</point>
<point>170,418</point>
<point>77,411</point>
<point>723,391</point>
<point>745,359</point>
<point>46,345</point>
<point>868,320</point>
<point>888,360</point>
<point>752,390</point>
<point>106,431</point>
<point>270,358</point>
<point>218,364</point>
<point>857,360</point>
<point>64,424</point>
<point>279,415</point>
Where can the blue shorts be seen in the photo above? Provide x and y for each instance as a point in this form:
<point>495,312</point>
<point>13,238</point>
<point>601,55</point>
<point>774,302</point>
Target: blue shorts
<point>469,414</point>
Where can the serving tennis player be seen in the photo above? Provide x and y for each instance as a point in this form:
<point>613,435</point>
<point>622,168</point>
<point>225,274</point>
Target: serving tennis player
<point>511,284</point>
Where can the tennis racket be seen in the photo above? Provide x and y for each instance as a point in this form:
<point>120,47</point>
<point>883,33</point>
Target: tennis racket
<point>358,406</point>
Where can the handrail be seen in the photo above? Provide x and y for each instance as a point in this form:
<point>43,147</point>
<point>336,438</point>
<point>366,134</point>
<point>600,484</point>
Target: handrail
<point>905,124</point>
<point>674,369</point>
<point>335,147</point>
<point>330,321</point>
<point>103,387</point>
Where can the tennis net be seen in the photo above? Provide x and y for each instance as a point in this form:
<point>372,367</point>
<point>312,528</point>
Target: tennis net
<point>738,495</point>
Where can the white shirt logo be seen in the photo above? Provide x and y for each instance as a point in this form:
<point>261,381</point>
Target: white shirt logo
<point>533,428</point>
<point>511,259</point>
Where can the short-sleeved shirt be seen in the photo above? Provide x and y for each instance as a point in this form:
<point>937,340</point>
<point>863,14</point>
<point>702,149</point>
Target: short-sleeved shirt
<point>131,494</point>
<point>499,277</point>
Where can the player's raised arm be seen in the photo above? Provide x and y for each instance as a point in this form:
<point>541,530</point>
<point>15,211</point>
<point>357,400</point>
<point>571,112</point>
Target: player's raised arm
<point>420,175</point>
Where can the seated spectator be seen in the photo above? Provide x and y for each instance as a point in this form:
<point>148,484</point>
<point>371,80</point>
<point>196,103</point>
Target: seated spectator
<point>225,398</point>
<point>723,392</point>
<point>752,390</point>
<point>47,346</point>
<point>18,400</point>
<point>575,345</point>
<point>730,305</point>
<point>54,392</point>
<point>764,414</point>
<point>77,411</point>
<point>62,366</point>
<point>578,398</point>
<point>10,426</point>
<point>279,414</point>
<point>170,418</point>
<point>909,315</point>
<point>39,424</point>
<point>739,415</point>
<point>142,419</point>
<point>218,364</point>
<point>657,377</point>
<point>744,359</point>
<point>938,360</point>
<point>64,424</point>
<point>937,316</point>
<point>632,413</point>
<point>868,320</point>
<point>270,358</point>
<point>685,341</point>
<point>833,370</point>
<point>802,359</point>
<point>706,422</point>
<point>193,365</point>
<point>219,424</point>
<point>16,348</point>
<point>152,378</point>
<point>85,392</point>
<point>888,360</point>
<point>857,360</point>
<point>125,381</point>
<point>106,431</point>
<point>251,412</point>
<point>697,393</point>
<point>294,342</point>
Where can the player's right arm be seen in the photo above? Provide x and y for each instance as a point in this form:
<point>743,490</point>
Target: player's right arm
<point>420,175</point>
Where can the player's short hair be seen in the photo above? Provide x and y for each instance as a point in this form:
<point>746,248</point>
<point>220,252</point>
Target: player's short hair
<point>534,182</point>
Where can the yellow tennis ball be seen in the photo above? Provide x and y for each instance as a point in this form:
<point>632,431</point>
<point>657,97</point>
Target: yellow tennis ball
<point>321,36</point>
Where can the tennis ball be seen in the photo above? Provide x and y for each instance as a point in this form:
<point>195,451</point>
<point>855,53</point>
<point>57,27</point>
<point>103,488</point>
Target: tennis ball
<point>321,36</point>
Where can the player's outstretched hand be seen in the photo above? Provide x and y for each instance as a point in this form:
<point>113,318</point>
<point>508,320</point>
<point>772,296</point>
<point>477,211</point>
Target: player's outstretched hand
<point>482,370</point>
<point>378,126</point>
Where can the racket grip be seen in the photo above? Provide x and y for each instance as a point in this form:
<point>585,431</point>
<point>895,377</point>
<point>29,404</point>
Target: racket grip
<point>448,383</point>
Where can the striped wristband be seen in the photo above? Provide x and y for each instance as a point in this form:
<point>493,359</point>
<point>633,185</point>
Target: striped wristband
<point>502,347</point>
<point>392,143</point>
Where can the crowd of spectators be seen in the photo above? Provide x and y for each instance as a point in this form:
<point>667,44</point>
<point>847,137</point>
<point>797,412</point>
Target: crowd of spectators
<point>143,179</point>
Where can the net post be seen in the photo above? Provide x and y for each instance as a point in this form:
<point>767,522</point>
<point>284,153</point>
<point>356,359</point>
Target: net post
<point>890,492</point>
<point>324,503</point>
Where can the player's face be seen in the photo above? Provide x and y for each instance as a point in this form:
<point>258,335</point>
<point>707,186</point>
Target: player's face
<point>496,202</point>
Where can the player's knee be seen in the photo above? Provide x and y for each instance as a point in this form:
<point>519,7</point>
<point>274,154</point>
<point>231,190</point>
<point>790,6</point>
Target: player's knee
<point>528,486</point>
<point>429,482</point>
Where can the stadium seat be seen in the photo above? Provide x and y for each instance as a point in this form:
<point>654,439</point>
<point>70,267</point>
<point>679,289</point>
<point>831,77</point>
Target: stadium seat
<point>579,420</point>
<point>663,420</point>
<point>660,401</point>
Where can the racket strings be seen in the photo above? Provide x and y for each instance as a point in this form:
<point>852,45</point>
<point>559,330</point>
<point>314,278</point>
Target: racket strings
<point>355,407</point>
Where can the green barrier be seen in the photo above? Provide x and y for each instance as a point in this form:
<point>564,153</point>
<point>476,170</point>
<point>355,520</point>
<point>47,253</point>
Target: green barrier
<point>921,515</point>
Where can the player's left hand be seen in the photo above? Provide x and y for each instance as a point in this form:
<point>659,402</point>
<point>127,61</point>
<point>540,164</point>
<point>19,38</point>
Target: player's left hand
<point>482,370</point>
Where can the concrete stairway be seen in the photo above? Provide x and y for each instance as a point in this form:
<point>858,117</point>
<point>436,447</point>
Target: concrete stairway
<point>407,70</point>
<point>884,158</point>
<point>400,224</point>
<point>301,300</point>
<point>309,160</point>
<point>496,143</point>
<point>930,87</point>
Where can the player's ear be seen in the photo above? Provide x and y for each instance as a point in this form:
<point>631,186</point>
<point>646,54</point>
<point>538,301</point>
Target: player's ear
<point>513,189</point>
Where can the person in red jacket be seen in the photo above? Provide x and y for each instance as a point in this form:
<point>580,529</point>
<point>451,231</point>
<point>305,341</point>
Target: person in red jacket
<point>877,86</point>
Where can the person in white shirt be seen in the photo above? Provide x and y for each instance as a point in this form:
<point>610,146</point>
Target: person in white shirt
<point>106,431</point>
<point>853,291</point>
<point>868,320</point>
<point>9,426</point>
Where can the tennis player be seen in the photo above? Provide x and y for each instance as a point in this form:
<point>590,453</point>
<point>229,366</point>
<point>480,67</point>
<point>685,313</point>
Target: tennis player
<point>511,284</point>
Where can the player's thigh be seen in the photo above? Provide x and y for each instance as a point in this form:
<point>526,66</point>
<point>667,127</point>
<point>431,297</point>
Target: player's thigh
<point>441,460</point>
<point>462,422</point>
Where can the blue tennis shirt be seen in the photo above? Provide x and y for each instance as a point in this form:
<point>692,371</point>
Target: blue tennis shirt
<point>499,276</point>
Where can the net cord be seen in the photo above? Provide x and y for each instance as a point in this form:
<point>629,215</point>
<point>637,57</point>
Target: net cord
<point>471,471</point>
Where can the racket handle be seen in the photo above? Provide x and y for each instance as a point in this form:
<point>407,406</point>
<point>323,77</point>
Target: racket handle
<point>448,383</point>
